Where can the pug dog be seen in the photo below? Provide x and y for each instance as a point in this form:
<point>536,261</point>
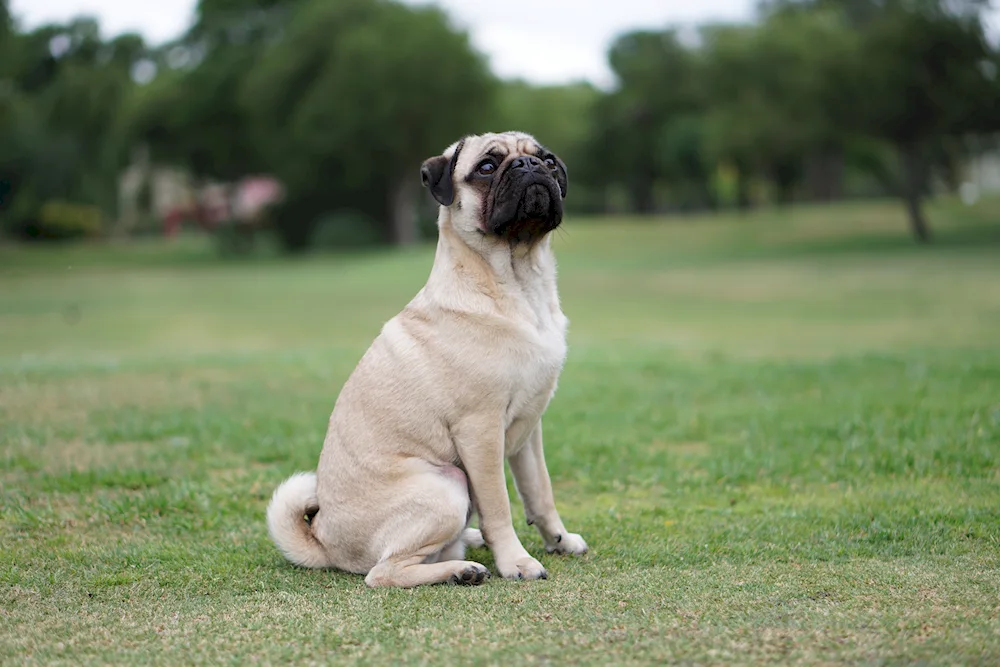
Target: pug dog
<point>453,386</point>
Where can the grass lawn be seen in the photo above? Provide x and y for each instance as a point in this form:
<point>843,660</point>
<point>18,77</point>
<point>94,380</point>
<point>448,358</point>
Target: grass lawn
<point>779,436</point>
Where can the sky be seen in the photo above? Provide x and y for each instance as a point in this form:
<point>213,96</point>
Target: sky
<point>554,41</point>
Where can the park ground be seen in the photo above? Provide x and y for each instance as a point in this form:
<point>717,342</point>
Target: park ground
<point>780,436</point>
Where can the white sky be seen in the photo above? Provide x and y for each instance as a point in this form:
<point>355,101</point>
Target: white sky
<point>553,41</point>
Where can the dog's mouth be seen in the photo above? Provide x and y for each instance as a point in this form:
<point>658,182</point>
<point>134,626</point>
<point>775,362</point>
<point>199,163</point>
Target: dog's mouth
<point>536,202</point>
<point>528,210</point>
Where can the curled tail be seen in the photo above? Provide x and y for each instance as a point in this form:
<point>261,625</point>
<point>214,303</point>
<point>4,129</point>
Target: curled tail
<point>289,513</point>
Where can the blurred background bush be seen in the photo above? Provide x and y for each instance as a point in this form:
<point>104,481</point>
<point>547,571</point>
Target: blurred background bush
<point>308,119</point>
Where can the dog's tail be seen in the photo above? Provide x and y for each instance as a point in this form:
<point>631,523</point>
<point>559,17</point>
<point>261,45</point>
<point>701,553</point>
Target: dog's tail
<point>289,516</point>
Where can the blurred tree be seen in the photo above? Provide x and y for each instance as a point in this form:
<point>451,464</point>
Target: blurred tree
<point>63,87</point>
<point>931,86</point>
<point>190,114</point>
<point>349,101</point>
<point>657,83</point>
<point>222,23</point>
<point>191,117</point>
<point>687,163</point>
<point>781,94</point>
<point>737,112</point>
<point>928,77</point>
<point>341,100</point>
<point>83,104</point>
<point>6,35</point>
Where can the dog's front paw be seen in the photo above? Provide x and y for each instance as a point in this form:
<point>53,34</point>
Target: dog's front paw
<point>471,574</point>
<point>567,543</point>
<point>525,567</point>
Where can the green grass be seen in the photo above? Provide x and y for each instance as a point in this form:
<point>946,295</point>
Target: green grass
<point>780,437</point>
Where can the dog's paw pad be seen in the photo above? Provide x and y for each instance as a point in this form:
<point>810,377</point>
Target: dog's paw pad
<point>473,575</point>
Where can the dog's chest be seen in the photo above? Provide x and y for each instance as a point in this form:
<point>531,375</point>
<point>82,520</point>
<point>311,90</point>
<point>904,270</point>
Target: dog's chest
<point>533,377</point>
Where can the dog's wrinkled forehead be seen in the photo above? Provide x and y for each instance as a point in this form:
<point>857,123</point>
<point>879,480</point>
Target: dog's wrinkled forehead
<point>473,148</point>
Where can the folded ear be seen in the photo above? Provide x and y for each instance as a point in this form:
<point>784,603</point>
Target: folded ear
<point>436,174</point>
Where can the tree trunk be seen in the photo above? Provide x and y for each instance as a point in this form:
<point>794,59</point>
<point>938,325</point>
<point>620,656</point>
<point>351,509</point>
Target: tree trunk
<point>786,175</point>
<point>707,195</point>
<point>743,202</point>
<point>826,175</point>
<point>784,190</point>
<point>295,219</point>
<point>913,191</point>
<point>643,197</point>
<point>403,210</point>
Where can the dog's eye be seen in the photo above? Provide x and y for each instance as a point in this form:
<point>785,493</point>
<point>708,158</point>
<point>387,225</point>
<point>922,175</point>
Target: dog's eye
<point>550,163</point>
<point>486,167</point>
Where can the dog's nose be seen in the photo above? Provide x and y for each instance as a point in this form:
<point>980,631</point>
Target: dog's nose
<point>527,163</point>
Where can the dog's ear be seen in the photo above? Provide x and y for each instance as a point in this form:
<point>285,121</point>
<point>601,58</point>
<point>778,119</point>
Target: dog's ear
<point>437,173</point>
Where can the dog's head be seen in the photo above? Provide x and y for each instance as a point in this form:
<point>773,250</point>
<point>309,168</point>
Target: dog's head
<point>504,186</point>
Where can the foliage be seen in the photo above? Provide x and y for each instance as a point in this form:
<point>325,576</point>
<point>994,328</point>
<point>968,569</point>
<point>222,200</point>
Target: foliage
<point>927,74</point>
<point>191,117</point>
<point>795,94</point>
<point>63,89</point>
<point>814,100</point>
<point>364,90</point>
<point>658,87</point>
<point>932,86</point>
<point>64,220</point>
<point>779,94</point>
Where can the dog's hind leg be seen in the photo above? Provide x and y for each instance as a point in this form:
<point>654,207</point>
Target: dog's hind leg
<point>411,572</point>
<point>473,537</point>
<point>423,542</point>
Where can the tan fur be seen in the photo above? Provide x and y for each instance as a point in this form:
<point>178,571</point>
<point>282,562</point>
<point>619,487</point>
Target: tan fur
<point>457,381</point>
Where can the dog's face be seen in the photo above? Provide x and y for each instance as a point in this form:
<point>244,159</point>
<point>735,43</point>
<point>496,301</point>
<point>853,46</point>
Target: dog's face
<point>505,186</point>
